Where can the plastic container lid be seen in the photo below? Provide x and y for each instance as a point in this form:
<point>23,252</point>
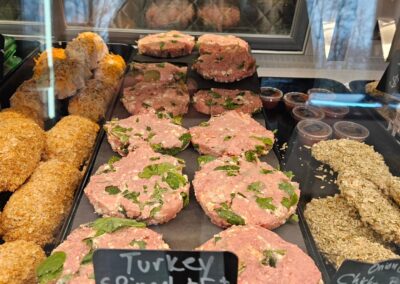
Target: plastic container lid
<point>336,112</point>
<point>318,90</point>
<point>293,99</point>
<point>307,112</point>
<point>271,94</point>
<point>312,131</point>
<point>350,130</point>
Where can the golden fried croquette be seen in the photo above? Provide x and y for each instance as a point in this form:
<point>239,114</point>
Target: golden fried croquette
<point>22,143</point>
<point>42,63</point>
<point>36,210</point>
<point>22,112</point>
<point>18,262</point>
<point>111,68</point>
<point>92,100</point>
<point>71,140</point>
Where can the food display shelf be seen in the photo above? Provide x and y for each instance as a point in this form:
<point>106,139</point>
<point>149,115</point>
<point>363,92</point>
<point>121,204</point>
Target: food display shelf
<point>296,157</point>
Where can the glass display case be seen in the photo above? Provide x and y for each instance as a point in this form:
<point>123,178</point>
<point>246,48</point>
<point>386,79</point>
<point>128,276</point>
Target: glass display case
<point>269,129</point>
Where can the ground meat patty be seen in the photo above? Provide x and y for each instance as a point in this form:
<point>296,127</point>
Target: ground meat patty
<point>71,140</point>
<point>144,185</point>
<point>230,65</point>
<point>172,98</point>
<point>217,101</point>
<point>210,43</point>
<point>169,14</point>
<point>157,130</point>
<point>169,44</point>
<point>220,16</point>
<point>22,143</point>
<point>76,251</point>
<point>264,257</point>
<point>233,191</point>
<point>18,261</point>
<point>154,72</point>
<point>232,133</point>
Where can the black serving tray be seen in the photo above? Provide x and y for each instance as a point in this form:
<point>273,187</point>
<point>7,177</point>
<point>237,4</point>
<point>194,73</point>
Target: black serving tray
<point>297,158</point>
<point>7,89</point>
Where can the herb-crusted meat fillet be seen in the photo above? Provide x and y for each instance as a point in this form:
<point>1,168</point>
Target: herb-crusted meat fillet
<point>340,234</point>
<point>265,258</point>
<point>18,261</point>
<point>172,98</point>
<point>163,72</point>
<point>157,130</point>
<point>232,133</point>
<point>22,143</point>
<point>228,65</point>
<point>74,256</point>
<point>144,185</point>
<point>168,44</point>
<point>233,191</point>
<point>217,101</point>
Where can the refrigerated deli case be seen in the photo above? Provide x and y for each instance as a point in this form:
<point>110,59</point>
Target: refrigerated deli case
<point>316,163</point>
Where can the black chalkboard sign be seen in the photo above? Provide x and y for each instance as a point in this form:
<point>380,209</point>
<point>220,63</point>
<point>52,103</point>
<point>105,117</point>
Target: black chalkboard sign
<point>164,267</point>
<point>1,56</point>
<point>390,81</point>
<point>386,272</point>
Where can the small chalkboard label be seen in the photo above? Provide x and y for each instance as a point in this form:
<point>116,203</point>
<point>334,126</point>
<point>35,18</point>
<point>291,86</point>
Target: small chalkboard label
<point>390,81</point>
<point>354,272</point>
<point>164,267</point>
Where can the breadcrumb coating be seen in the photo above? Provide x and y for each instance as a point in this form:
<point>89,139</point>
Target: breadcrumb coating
<point>22,112</point>
<point>71,140</point>
<point>42,63</point>
<point>340,234</point>
<point>36,210</point>
<point>18,262</point>
<point>375,209</point>
<point>22,143</point>
<point>92,101</point>
<point>110,69</point>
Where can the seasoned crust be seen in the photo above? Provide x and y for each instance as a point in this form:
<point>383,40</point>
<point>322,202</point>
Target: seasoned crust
<point>35,211</point>
<point>18,261</point>
<point>110,69</point>
<point>71,140</point>
<point>21,145</point>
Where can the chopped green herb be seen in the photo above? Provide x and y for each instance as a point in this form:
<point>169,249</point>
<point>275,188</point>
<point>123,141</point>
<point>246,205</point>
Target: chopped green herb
<point>230,216</point>
<point>151,75</point>
<point>185,199</point>
<point>150,136</point>
<point>217,239</point>
<point>256,186</point>
<point>229,104</point>
<point>241,94</point>
<point>265,203</point>
<point>228,137</point>
<point>140,244</point>
<point>111,224</point>
<point>145,105</point>
<point>185,139</point>
<point>155,210</point>
<point>290,190</point>
<point>215,95</point>
<point>121,133</point>
<point>112,190</point>
<point>174,41</point>
<point>161,65</point>
<point>266,171</point>
<point>131,195</point>
<point>156,170</point>
<point>260,149</point>
<point>51,268</point>
<point>271,256</point>
<point>241,65</point>
<point>210,102</point>
<point>175,180</point>
<point>250,156</point>
<point>88,258</point>
<point>175,35</point>
<point>177,120</point>
<point>294,218</point>
<point>162,44</point>
<point>180,76</point>
<point>231,170</point>
<point>154,158</point>
<point>265,140</point>
<point>205,159</point>
<point>289,174</point>
<point>204,124</point>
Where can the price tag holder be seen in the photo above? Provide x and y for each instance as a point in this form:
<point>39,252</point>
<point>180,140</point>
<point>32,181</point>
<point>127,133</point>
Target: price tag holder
<point>164,267</point>
<point>390,81</point>
<point>354,272</point>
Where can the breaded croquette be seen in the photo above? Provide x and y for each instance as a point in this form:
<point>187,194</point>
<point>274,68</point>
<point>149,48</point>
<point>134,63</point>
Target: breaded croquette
<point>71,140</point>
<point>111,68</point>
<point>35,211</point>
<point>92,101</point>
<point>22,143</point>
<point>18,262</point>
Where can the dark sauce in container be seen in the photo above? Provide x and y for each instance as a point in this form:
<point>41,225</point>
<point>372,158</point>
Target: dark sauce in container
<point>270,97</point>
<point>311,131</point>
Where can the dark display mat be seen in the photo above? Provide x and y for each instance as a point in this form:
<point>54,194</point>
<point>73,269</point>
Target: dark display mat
<point>25,50</point>
<point>7,89</point>
<point>297,158</point>
<point>191,227</point>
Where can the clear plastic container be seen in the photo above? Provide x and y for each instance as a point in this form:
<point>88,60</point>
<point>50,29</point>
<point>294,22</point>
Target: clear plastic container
<point>311,131</point>
<point>294,99</point>
<point>318,91</point>
<point>270,97</point>
<point>350,130</point>
<point>336,112</point>
<point>307,112</point>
